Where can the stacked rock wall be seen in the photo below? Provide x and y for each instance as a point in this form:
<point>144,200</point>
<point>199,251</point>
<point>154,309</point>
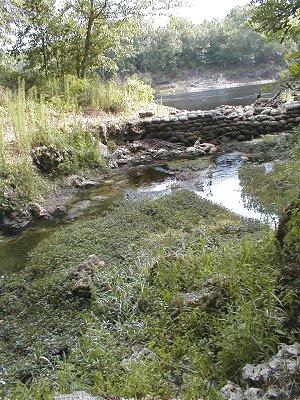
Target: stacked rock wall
<point>225,123</point>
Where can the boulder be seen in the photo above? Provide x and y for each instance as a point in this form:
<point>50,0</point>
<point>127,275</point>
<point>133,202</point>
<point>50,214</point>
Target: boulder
<point>104,150</point>
<point>231,391</point>
<point>214,294</point>
<point>208,148</point>
<point>276,379</point>
<point>49,159</point>
<point>80,182</point>
<point>82,276</point>
<point>37,211</point>
<point>146,114</point>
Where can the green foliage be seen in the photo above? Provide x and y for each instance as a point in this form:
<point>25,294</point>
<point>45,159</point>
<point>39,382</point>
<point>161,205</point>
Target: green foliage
<point>19,184</point>
<point>277,17</point>
<point>116,97</point>
<point>36,118</point>
<point>77,37</point>
<point>292,238</point>
<point>184,45</point>
<point>280,19</point>
<point>155,251</point>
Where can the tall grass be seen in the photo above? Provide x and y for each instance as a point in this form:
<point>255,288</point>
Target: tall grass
<point>44,116</point>
<point>2,139</point>
<point>136,302</point>
<point>115,97</point>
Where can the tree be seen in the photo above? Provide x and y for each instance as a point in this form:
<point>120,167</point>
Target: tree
<point>78,36</point>
<point>277,17</point>
<point>281,19</point>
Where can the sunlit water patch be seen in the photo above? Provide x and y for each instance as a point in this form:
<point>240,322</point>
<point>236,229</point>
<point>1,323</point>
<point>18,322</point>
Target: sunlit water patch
<point>219,183</point>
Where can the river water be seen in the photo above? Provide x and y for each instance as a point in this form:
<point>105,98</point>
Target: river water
<point>218,182</point>
<point>201,99</point>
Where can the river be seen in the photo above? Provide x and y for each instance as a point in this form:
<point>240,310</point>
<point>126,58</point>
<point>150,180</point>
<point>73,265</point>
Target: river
<point>218,182</point>
<point>208,99</point>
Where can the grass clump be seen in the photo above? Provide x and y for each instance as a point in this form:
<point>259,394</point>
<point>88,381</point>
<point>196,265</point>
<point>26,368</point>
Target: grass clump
<point>137,335</point>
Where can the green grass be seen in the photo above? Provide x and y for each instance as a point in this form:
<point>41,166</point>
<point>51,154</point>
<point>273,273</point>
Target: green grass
<point>154,252</point>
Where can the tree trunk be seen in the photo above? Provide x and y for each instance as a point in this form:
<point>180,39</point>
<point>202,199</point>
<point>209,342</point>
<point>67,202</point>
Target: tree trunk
<point>88,40</point>
<point>44,50</point>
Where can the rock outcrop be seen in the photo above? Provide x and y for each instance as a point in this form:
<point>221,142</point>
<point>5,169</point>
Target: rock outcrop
<point>276,379</point>
<point>49,159</point>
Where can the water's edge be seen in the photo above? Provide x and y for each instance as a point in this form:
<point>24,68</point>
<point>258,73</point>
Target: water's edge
<point>217,181</point>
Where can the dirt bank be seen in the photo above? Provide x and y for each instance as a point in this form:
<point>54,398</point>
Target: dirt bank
<point>188,81</point>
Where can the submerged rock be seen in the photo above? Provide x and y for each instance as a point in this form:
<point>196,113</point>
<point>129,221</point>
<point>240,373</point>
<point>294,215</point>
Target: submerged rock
<point>16,221</point>
<point>83,274</point>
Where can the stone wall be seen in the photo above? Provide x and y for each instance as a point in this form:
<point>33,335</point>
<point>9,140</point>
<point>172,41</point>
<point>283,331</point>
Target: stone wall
<point>225,123</point>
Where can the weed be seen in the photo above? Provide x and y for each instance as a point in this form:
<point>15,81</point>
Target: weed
<point>134,338</point>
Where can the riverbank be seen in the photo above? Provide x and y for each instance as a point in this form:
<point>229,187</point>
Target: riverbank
<point>156,294</point>
<point>142,302</point>
<point>88,162</point>
<point>189,81</point>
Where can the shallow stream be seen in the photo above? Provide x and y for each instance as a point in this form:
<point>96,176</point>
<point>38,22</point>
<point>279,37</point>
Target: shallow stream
<point>216,180</point>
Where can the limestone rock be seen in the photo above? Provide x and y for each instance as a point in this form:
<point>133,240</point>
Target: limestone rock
<point>277,379</point>
<point>49,159</point>
<point>83,274</point>
<point>281,368</point>
<point>16,221</point>
<point>146,114</point>
<point>104,150</point>
<point>77,396</point>
<point>37,211</point>
<point>212,295</point>
<point>80,182</point>
<point>231,391</point>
